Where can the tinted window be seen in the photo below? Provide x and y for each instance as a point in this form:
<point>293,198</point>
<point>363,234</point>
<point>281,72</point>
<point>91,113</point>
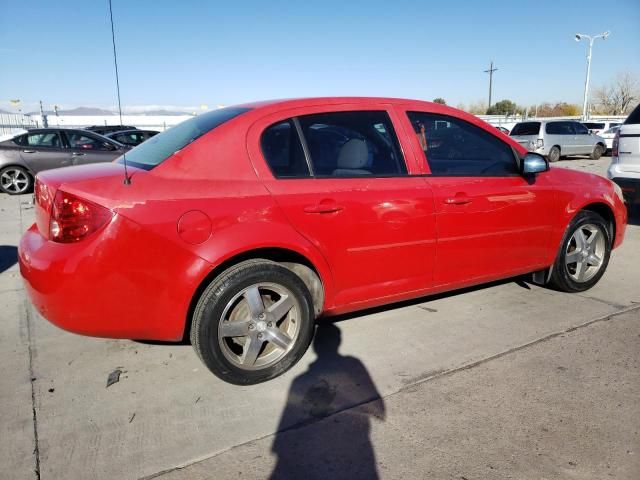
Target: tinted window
<point>345,144</point>
<point>634,117</point>
<point>461,148</point>
<point>580,129</point>
<point>282,149</point>
<point>85,142</point>
<point>593,125</point>
<point>157,149</point>
<point>559,128</point>
<point>131,138</point>
<point>526,128</point>
<point>42,139</point>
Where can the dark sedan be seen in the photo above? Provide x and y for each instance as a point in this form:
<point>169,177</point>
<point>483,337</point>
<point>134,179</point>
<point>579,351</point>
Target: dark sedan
<point>131,138</point>
<point>22,156</point>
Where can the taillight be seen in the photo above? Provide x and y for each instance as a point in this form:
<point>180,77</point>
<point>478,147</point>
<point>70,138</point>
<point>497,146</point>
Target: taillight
<point>73,218</point>
<point>614,147</point>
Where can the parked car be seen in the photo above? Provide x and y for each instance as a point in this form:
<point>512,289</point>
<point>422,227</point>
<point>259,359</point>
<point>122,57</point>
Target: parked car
<point>625,159</point>
<point>608,136</point>
<point>104,129</point>
<point>23,156</point>
<point>557,138</point>
<point>241,226</point>
<point>131,137</point>
<point>599,127</point>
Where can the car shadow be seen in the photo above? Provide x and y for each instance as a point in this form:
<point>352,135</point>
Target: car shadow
<point>336,449</point>
<point>8,257</point>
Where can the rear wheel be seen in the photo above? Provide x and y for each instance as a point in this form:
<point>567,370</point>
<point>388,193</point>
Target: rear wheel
<point>15,180</point>
<point>554,154</point>
<point>253,322</point>
<point>584,253</point>
<point>598,150</point>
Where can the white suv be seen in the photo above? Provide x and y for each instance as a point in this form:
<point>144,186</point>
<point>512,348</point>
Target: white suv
<point>625,158</point>
<point>556,138</point>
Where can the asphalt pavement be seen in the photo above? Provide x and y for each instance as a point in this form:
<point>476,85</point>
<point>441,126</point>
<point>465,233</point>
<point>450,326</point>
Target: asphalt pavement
<point>508,380</point>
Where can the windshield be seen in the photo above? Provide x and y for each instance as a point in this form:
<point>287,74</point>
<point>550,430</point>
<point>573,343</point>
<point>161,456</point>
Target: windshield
<point>526,128</point>
<point>593,125</point>
<point>154,151</point>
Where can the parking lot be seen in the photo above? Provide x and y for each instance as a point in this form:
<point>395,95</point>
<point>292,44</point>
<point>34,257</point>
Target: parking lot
<point>508,380</point>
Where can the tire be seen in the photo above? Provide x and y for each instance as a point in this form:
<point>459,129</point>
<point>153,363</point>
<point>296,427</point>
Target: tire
<point>253,322</point>
<point>15,180</point>
<point>554,154</point>
<point>589,266</point>
<point>598,150</point>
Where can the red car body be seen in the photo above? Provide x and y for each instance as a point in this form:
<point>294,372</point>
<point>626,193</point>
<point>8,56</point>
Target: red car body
<point>371,241</point>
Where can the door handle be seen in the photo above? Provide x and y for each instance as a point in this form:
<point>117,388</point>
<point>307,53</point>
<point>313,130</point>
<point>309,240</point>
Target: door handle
<point>78,154</point>
<point>323,207</point>
<point>458,199</point>
<point>28,151</point>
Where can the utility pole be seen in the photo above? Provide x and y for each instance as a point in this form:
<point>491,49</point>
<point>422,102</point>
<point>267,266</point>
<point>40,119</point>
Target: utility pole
<point>490,72</point>
<point>45,123</point>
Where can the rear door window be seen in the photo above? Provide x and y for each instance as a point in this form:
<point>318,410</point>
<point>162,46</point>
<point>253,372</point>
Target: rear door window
<point>454,147</point>
<point>560,128</point>
<point>282,149</point>
<point>40,140</point>
<point>526,128</point>
<point>350,144</point>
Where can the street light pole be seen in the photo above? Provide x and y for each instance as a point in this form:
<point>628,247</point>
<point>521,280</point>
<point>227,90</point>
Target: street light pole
<point>578,37</point>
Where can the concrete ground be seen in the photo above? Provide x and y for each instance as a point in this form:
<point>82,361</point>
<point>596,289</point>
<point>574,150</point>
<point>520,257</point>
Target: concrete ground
<point>508,380</point>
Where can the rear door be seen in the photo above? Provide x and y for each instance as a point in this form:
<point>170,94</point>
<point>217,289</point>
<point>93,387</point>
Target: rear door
<point>561,133</point>
<point>491,221</point>
<point>43,150</point>
<point>88,148</point>
<point>341,180</point>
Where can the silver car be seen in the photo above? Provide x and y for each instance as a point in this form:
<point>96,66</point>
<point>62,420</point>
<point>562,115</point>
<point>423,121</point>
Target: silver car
<point>24,155</point>
<point>556,138</point>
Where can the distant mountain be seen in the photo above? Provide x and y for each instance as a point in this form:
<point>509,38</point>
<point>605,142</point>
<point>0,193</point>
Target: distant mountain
<point>87,111</point>
<point>161,112</point>
<point>4,111</point>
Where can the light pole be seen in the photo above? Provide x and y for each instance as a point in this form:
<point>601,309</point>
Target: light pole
<point>580,36</point>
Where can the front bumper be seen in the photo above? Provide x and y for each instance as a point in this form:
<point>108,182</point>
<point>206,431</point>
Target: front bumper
<point>121,282</point>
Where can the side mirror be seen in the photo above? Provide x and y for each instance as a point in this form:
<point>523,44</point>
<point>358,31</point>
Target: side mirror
<point>533,163</point>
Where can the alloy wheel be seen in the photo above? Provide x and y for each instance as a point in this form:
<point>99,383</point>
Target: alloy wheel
<point>259,326</point>
<point>14,180</point>
<point>585,253</point>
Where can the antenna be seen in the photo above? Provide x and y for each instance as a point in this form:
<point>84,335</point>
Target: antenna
<point>127,178</point>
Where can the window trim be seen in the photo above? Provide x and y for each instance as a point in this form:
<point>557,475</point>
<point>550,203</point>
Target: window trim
<point>514,153</point>
<point>305,148</point>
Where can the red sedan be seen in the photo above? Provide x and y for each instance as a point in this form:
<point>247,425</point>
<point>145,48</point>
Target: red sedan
<point>241,226</point>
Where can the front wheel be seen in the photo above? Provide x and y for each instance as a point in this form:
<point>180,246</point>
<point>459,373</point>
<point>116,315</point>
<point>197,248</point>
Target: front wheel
<point>598,150</point>
<point>584,253</point>
<point>253,322</point>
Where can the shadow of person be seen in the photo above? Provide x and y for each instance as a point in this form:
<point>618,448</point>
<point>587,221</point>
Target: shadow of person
<point>8,257</point>
<point>339,447</point>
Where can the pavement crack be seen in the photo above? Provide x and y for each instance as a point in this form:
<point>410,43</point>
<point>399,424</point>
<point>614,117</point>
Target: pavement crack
<point>425,378</point>
<point>606,302</point>
<point>34,411</point>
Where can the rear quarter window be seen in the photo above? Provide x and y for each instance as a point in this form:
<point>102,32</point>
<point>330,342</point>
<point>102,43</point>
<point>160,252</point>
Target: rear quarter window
<point>526,128</point>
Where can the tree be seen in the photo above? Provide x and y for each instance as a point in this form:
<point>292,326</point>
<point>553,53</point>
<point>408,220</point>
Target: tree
<point>619,97</point>
<point>439,100</point>
<point>477,108</point>
<point>503,107</point>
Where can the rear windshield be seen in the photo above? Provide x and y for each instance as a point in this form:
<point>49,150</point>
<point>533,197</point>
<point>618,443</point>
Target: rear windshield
<point>526,128</point>
<point>593,125</point>
<point>156,150</point>
<point>634,117</point>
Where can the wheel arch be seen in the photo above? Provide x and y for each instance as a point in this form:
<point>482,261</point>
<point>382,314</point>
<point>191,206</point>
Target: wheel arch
<point>291,259</point>
<point>606,212</point>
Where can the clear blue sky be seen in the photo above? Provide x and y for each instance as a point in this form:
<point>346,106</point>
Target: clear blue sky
<point>212,52</point>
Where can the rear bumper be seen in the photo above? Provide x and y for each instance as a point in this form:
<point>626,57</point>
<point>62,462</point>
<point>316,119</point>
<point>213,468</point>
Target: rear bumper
<point>121,282</point>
